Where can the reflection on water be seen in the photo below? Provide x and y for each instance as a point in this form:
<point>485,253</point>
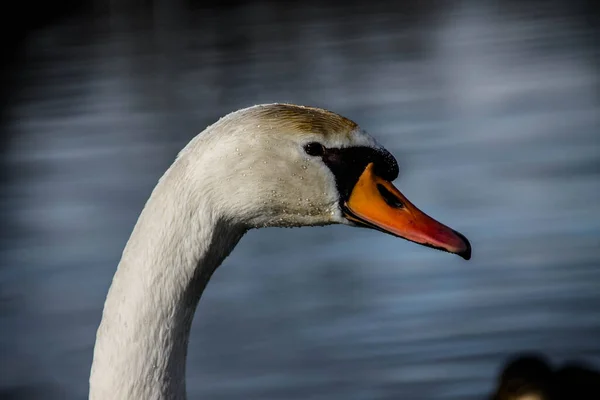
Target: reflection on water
<point>493,112</point>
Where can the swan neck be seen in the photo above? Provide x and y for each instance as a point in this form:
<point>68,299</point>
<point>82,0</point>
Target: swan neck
<point>141,344</point>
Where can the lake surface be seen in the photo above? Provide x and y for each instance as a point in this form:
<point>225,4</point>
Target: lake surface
<point>492,111</point>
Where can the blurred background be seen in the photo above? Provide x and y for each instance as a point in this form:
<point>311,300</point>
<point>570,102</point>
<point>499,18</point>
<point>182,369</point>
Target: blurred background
<point>491,107</point>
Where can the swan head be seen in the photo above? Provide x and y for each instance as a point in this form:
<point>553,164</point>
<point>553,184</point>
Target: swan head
<point>284,165</point>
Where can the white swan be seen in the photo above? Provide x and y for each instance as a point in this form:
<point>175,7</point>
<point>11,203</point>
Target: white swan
<point>278,165</point>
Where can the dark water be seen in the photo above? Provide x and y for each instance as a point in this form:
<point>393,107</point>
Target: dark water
<point>492,111</point>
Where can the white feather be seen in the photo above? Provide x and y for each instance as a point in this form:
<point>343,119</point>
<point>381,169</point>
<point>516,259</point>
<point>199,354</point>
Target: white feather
<point>234,176</point>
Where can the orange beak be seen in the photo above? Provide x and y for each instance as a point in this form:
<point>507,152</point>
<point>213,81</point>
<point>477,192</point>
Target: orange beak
<point>376,203</point>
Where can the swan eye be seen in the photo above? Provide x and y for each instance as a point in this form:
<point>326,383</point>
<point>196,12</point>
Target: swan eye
<point>314,149</point>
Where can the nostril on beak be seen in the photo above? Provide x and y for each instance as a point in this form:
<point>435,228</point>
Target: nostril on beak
<point>389,197</point>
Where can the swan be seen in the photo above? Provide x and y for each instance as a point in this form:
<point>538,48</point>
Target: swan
<point>268,165</point>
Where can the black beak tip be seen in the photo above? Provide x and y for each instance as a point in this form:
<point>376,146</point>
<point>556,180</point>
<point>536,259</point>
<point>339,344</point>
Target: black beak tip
<point>466,253</point>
